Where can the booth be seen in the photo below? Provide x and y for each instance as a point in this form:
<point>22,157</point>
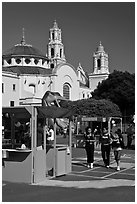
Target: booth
<point>34,162</point>
<point>97,124</point>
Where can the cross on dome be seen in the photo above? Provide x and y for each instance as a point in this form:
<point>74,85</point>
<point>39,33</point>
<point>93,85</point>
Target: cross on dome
<point>23,37</point>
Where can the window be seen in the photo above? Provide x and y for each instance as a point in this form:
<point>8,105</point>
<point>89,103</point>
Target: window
<point>52,66</point>
<point>36,61</point>
<point>52,36</point>
<point>60,53</point>
<point>27,61</point>
<point>43,61</point>
<point>32,88</point>
<point>2,87</point>
<point>18,61</point>
<point>83,95</point>
<point>52,52</point>
<point>99,63</point>
<point>66,91</point>
<point>11,103</point>
<point>14,87</point>
<point>9,61</point>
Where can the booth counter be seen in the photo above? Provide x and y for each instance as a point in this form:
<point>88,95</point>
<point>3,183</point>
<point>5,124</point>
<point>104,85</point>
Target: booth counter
<point>17,165</point>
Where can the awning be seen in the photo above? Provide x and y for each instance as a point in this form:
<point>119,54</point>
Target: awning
<point>54,112</point>
<point>18,112</point>
<point>43,112</point>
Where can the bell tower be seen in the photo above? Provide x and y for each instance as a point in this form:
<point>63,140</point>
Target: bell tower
<point>100,61</point>
<point>55,46</point>
<point>100,68</point>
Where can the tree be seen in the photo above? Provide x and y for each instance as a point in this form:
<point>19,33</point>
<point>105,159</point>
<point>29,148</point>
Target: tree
<point>119,87</point>
<point>92,107</point>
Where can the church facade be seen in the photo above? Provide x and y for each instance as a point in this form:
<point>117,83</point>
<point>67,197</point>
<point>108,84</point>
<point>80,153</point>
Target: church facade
<point>27,73</point>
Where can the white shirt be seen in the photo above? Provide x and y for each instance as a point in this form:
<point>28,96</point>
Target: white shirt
<point>51,134</point>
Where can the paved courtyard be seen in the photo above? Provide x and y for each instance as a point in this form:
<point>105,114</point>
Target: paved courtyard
<point>99,176</point>
<point>82,184</point>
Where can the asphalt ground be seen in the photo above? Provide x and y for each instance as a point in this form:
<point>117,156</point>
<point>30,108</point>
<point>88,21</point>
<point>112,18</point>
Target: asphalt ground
<point>127,171</point>
<point>82,184</point>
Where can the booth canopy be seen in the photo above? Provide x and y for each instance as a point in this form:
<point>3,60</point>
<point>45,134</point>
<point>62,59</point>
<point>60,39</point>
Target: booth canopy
<point>54,112</point>
<point>43,112</point>
<point>18,112</point>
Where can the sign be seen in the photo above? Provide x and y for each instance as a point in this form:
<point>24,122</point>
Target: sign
<point>89,119</point>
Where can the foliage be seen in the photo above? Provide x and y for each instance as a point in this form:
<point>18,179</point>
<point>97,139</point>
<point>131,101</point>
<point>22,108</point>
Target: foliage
<point>119,87</point>
<point>92,107</point>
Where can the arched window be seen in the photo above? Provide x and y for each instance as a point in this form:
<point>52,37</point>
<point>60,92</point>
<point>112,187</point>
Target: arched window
<point>52,52</point>
<point>60,53</point>
<point>66,91</point>
<point>53,36</point>
<point>52,65</point>
<point>99,63</point>
<point>32,88</point>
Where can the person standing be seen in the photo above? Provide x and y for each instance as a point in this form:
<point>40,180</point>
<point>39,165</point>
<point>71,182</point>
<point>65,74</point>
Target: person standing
<point>129,136</point>
<point>40,136</point>
<point>19,132</point>
<point>117,145</point>
<point>105,147</point>
<point>89,147</point>
<point>51,135</point>
<point>65,132</point>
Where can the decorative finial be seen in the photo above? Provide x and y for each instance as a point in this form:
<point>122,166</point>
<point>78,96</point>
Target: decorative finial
<point>100,43</point>
<point>23,37</point>
<point>55,24</point>
<point>79,64</point>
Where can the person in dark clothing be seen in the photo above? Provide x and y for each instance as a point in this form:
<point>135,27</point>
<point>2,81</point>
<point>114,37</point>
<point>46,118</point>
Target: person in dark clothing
<point>105,147</point>
<point>27,136</point>
<point>19,132</point>
<point>40,136</point>
<point>89,147</point>
<point>129,136</point>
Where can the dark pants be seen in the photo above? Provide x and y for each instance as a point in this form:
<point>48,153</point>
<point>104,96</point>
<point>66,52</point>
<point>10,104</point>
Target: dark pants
<point>129,141</point>
<point>90,153</point>
<point>105,149</point>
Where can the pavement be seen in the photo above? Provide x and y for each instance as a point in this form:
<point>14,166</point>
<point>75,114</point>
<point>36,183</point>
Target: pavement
<point>82,184</point>
<point>98,177</point>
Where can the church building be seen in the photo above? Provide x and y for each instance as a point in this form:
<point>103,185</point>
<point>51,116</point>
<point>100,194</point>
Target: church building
<point>27,73</point>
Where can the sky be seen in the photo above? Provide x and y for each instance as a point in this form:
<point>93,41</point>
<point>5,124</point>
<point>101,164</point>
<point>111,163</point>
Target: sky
<point>83,25</point>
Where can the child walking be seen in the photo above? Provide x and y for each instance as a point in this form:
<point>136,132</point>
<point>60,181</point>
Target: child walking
<point>117,145</point>
<point>105,147</point>
<point>89,146</point>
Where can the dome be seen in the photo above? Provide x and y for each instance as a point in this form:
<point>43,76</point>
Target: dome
<point>100,48</point>
<point>27,70</point>
<point>23,50</point>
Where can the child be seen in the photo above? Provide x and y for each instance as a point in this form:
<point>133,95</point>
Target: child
<point>117,145</point>
<point>105,147</point>
<point>89,146</point>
